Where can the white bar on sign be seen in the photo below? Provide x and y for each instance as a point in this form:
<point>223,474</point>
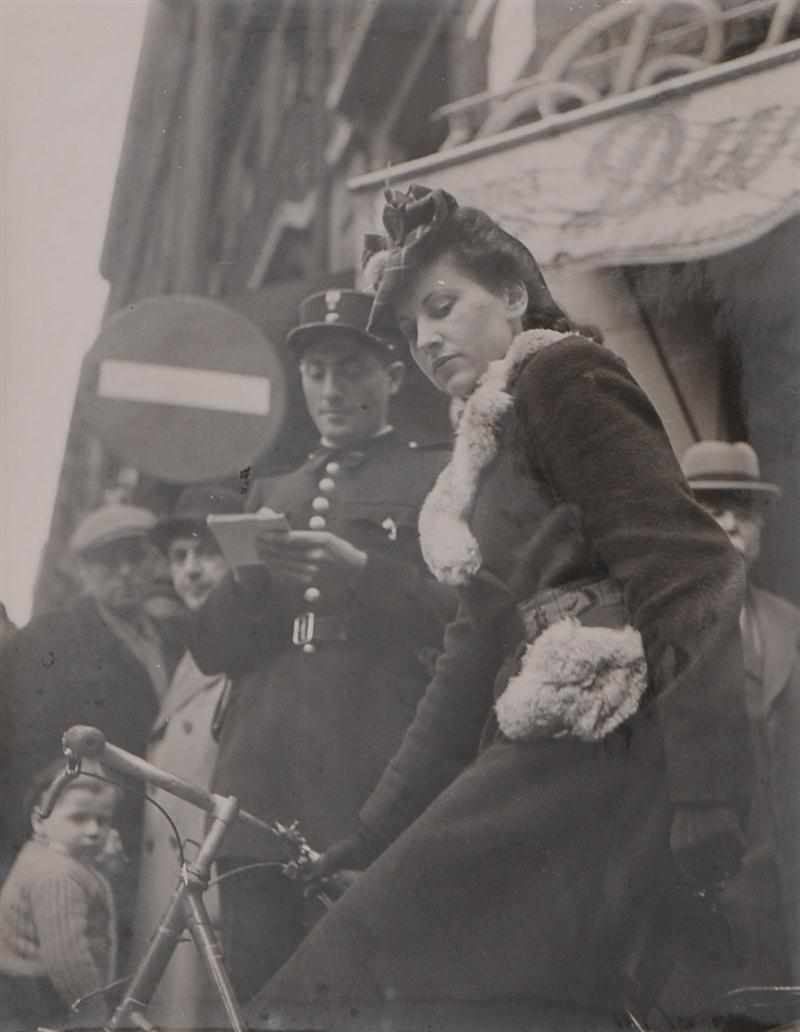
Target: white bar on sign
<point>177,385</point>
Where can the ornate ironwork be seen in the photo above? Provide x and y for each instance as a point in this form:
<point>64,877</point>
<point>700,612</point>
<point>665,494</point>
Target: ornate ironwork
<point>647,41</point>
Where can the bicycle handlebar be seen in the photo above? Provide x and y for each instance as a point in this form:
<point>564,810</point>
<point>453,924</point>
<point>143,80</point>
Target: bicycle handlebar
<point>83,742</point>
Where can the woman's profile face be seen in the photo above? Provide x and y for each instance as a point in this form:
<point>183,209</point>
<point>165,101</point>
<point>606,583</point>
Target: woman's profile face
<point>455,326</point>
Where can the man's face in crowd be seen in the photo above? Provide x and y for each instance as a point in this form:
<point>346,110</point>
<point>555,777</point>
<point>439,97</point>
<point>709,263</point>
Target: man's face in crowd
<point>197,567</point>
<point>741,517</point>
<point>348,388</point>
<point>118,574</point>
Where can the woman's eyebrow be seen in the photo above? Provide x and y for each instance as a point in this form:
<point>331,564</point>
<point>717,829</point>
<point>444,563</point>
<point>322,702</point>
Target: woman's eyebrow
<point>435,289</point>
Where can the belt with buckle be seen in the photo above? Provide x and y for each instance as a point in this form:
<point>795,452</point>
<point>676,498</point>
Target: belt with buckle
<point>309,627</point>
<point>595,603</point>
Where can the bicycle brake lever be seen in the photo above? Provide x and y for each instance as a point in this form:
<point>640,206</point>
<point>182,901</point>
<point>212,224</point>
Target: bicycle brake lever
<point>51,796</point>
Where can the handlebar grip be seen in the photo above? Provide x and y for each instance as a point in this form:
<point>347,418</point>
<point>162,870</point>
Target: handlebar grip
<point>83,741</point>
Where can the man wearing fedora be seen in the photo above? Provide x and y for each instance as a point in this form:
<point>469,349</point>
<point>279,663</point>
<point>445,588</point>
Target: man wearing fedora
<point>329,640</point>
<point>97,662</point>
<point>762,902</point>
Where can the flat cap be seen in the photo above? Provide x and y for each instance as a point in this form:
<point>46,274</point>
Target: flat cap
<point>109,523</point>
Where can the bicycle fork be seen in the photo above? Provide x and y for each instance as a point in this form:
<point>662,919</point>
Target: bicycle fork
<point>186,911</point>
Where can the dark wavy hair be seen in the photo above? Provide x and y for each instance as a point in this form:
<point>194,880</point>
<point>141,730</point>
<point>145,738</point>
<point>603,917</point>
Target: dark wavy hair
<point>485,251</point>
<point>423,225</point>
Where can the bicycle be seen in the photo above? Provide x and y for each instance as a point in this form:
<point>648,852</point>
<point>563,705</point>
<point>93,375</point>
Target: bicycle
<point>186,909</point>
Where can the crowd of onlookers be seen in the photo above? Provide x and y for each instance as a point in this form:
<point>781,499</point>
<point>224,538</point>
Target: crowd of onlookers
<point>296,681</point>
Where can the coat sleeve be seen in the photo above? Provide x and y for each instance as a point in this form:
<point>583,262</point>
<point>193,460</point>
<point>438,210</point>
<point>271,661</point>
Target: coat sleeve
<point>593,434</point>
<point>239,624</point>
<point>445,733</point>
<point>397,603</point>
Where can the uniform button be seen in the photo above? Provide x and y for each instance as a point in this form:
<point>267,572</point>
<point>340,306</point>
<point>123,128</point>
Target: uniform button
<point>333,468</point>
<point>327,485</point>
<point>320,505</point>
<point>309,648</point>
<point>317,523</point>
<point>312,595</point>
<point>413,444</point>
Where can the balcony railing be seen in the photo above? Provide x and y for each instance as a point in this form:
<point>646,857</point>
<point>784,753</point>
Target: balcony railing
<point>575,74</point>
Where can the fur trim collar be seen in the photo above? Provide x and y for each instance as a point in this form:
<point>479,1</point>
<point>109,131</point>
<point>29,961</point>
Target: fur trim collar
<point>448,544</point>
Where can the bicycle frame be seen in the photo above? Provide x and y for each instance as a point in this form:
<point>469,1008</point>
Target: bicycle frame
<point>186,910</point>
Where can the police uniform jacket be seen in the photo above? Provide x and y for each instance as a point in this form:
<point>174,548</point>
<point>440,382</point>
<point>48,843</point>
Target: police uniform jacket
<point>312,722</point>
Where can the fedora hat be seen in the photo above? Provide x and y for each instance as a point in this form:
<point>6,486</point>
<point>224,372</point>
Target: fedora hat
<point>721,466</point>
<point>332,311</point>
<point>194,504</point>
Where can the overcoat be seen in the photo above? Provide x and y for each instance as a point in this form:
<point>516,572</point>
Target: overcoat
<point>532,869</point>
<point>308,731</point>
<point>69,667</point>
<point>181,742</point>
<point>760,940</point>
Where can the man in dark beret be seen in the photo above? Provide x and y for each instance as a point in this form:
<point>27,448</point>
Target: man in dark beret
<point>329,639</point>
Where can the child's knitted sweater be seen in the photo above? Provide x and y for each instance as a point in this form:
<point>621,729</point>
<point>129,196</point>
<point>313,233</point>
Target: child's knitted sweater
<point>57,920</point>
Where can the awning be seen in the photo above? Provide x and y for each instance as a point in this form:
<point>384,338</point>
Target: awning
<point>686,169</point>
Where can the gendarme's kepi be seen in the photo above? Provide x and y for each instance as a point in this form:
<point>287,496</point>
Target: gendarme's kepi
<point>332,311</point>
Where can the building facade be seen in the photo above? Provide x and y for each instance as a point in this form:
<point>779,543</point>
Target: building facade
<point>647,151</point>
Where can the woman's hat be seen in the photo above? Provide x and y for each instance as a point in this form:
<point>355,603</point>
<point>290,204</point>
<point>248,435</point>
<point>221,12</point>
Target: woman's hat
<point>419,223</point>
<point>189,515</point>
<point>721,466</point>
<point>337,310</point>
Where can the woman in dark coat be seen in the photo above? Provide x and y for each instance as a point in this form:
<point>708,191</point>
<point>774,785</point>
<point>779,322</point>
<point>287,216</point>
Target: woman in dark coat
<point>582,740</point>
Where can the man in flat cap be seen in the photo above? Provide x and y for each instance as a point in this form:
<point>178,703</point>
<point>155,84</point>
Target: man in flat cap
<point>329,641</point>
<point>761,904</point>
<point>98,662</point>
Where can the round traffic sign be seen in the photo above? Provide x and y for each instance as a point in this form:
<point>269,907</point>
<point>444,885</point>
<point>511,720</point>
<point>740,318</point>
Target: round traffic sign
<point>185,388</point>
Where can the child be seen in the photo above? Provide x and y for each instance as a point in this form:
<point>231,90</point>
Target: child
<point>57,917</point>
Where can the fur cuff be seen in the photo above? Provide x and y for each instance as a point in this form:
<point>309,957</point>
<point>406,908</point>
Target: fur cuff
<point>574,681</point>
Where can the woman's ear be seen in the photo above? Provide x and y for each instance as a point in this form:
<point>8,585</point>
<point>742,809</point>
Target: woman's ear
<point>516,295</point>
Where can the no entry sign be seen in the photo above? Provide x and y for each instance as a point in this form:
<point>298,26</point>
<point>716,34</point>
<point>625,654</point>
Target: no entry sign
<point>185,389</point>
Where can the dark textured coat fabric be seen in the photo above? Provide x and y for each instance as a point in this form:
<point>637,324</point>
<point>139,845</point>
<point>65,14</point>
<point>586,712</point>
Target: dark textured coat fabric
<point>68,667</point>
<point>534,869</point>
<point>307,735</point>
<point>759,942</point>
